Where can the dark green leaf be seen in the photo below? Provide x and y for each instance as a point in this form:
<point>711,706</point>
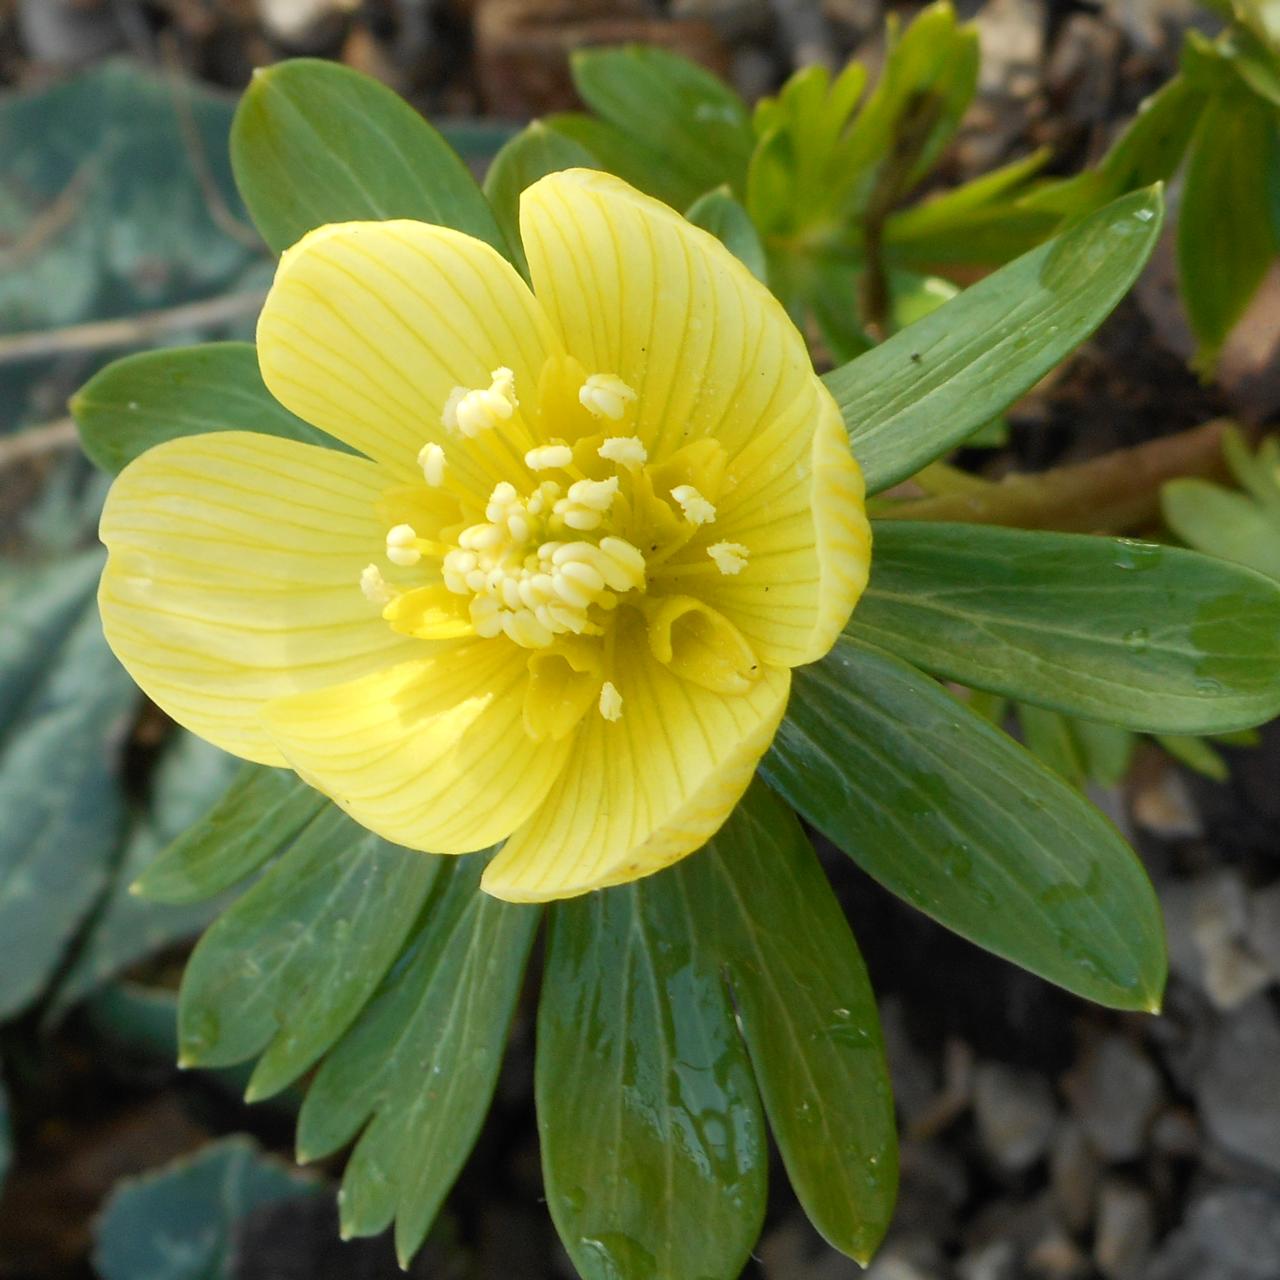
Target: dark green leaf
<point>180,391</point>
<point>1227,237</point>
<point>532,154</point>
<point>286,970</point>
<point>315,142</point>
<point>719,213</point>
<point>930,386</point>
<point>653,1145</point>
<point>1152,638</point>
<point>262,813</point>
<point>1047,735</point>
<point>1105,749</point>
<point>189,777</point>
<point>178,1222</point>
<point>808,1015</point>
<point>949,813</point>
<point>417,1070</point>
<point>58,787</point>
<point>673,109</point>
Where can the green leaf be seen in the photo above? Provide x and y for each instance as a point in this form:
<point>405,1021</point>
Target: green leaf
<point>262,812</point>
<point>1106,750</point>
<point>178,1222</point>
<point>286,969</point>
<point>417,1071</point>
<point>145,399</point>
<point>315,142</point>
<point>1152,638</point>
<point>532,154</point>
<point>1222,523</point>
<point>1047,735</point>
<point>688,120</point>
<point>1227,231</point>
<point>952,815</point>
<point>653,1146</point>
<point>808,1014</point>
<point>719,213</point>
<point>928,387</point>
<point>188,778</point>
<point>66,706</point>
<point>1196,754</point>
<point>620,154</point>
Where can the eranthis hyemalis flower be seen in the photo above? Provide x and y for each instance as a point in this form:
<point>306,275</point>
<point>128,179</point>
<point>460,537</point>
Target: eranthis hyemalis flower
<point>557,599</point>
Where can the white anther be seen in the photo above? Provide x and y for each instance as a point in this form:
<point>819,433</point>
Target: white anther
<point>375,587</point>
<point>400,548</point>
<point>431,460</point>
<point>626,451</point>
<point>480,537</point>
<point>548,457</point>
<point>474,411</point>
<point>501,500</point>
<point>571,591</point>
<point>621,563</point>
<point>587,577</point>
<point>605,395</point>
<point>610,702</point>
<point>596,495</point>
<point>729,557</point>
<point>697,510</point>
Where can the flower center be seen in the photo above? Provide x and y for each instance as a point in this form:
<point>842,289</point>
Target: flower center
<point>591,524</point>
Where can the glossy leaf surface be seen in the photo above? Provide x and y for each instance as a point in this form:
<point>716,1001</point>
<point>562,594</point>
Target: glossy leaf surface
<point>1153,638</point>
<point>415,1075</point>
<point>142,400</point>
<point>928,387</point>
<point>953,816</point>
<point>352,149</point>
<point>286,969</point>
<point>653,1143</point>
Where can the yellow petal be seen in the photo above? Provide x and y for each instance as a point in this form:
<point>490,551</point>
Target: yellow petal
<point>641,792</point>
<point>370,326</point>
<point>795,501</point>
<point>431,754</point>
<point>697,643</point>
<point>564,684</point>
<point>431,613</point>
<point>234,577</point>
<point>639,292</point>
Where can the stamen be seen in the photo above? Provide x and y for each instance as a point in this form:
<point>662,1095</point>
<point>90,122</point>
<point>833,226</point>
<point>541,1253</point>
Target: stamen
<point>605,395</point>
<point>729,557</point>
<point>472,412</point>
<point>400,548</point>
<point>610,702</point>
<point>375,587</point>
<point>431,460</point>
<point>626,451</point>
<point>697,510</point>
<point>549,457</point>
<point>587,502</point>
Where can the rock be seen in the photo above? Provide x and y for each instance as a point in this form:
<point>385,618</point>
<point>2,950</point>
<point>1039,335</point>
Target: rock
<point>1074,1170</point>
<point>1011,33</point>
<point>1238,1086</point>
<point>1115,1093</point>
<point>1015,1114</point>
<point>1239,1226</point>
<point>1264,928</point>
<point>305,26</point>
<point>995,1261</point>
<point>1057,1257</point>
<point>68,33</point>
<point>1164,806</point>
<point>916,1079</point>
<point>1126,1230</point>
<point>1219,921</point>
<point>1176,1134</point>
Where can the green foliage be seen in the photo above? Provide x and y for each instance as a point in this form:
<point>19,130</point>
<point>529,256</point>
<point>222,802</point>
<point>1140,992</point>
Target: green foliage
<point>145,399</point>
<point>928,387</point>
<point>415,1074</point>
<point>1147,637</point>
<point>720,214</point>
<point>261,813</point>
<point>1239,526</point>
<point>285,970</point>
<point>352,149</point>
<point>954,817</point>
<point>178,1222</point>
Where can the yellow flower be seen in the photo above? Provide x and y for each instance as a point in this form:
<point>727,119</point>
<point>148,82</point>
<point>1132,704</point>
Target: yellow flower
<point>557,600</point>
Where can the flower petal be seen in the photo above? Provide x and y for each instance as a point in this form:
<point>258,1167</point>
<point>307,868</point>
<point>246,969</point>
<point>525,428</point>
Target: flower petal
<point>794,500</point>
<point>637,291</point>
<point>234,577</point>
<point>643,791</point>
<point>431,754</point>
<point>370,326</point>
